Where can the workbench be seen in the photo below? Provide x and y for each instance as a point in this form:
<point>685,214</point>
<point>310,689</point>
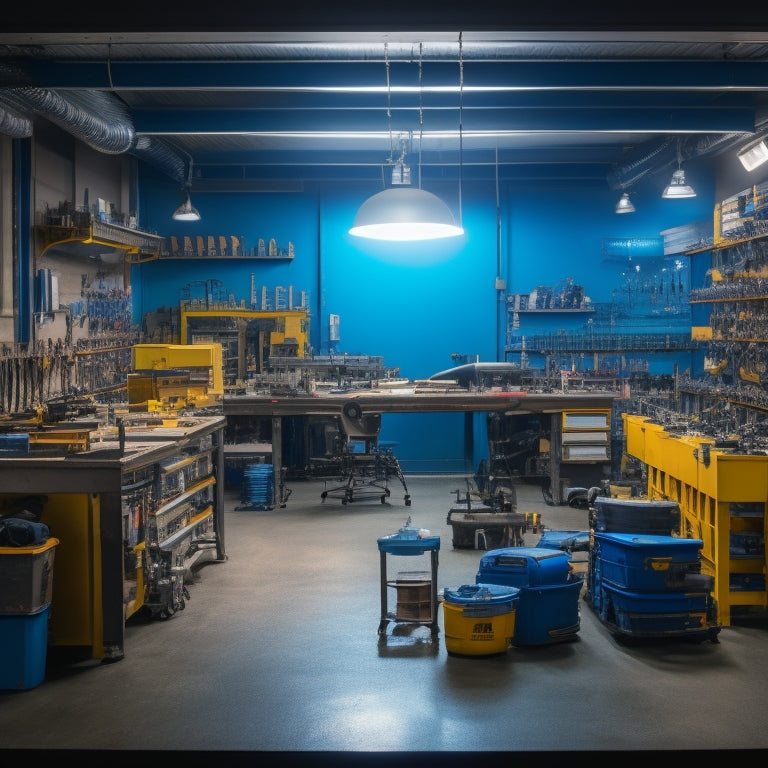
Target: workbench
<point>131,516</point>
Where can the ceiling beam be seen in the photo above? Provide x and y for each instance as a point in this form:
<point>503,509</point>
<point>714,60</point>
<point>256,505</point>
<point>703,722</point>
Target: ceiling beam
<point>349,121</point>
<point>610,74</point>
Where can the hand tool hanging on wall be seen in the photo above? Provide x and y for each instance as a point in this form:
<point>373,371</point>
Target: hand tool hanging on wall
<point>3,383</point>
<point>17,377</point>
<point>9,368</point>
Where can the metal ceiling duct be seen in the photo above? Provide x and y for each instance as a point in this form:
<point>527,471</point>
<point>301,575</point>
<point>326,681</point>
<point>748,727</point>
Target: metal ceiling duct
<point>96,118</point>
<point>660,155</point>
<point>642,161</point>
<point>14,125</point>
<point>93,117</point>
<point>159,154</point>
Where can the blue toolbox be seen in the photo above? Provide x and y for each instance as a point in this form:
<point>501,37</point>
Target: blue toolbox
<point>548,604</point>
<point>656,614</point>
<point>646,562</point>
<point>636,515</point>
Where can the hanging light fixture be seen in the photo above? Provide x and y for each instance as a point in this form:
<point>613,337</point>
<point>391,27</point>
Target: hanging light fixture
<point>753,155</point>
<point>186,211</point>
<point>403,212</point>
<point>677,187</point>
<point>625,204</point>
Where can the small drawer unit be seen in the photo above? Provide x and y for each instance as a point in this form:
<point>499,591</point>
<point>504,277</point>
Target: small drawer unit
<point>586,435</point>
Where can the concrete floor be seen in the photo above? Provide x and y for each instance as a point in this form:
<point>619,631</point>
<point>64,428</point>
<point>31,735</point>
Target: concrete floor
<point>278,651</point>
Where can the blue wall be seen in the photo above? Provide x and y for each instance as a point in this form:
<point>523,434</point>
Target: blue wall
<point>415,304</point>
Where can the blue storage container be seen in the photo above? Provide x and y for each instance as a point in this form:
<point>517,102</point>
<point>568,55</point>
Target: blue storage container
<point>570,541</point>
<point>548,613</point>
<point>23,648</point>
<point>548,605</point>
<point>656,614</point>
<point>524,566</point>
<point>636,516</point>
<point>646,562</point>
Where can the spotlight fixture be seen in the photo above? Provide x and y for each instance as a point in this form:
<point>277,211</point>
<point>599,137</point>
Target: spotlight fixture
<point>402,212</point>
<point>753,155</point>
<point>625,204</point>
<point>677,188</point>
<point>186,211</point>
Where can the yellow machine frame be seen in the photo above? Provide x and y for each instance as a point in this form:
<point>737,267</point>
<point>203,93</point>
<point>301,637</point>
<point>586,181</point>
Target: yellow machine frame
<point>293,324</point>
<point>152,359</point>
<point>722,498</point>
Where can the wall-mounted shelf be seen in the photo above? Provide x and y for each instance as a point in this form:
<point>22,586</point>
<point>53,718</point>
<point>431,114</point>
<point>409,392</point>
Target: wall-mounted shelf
<point>93,237</point>
<point>584,311</point>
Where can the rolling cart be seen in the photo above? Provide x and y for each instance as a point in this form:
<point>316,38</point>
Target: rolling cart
<point>416,591</point>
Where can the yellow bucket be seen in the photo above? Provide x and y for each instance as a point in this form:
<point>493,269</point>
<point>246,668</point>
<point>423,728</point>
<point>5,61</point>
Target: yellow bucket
<point>479,619</point>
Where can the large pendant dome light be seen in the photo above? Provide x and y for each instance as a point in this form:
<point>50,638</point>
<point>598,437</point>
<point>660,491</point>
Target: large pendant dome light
<point>402,212</point>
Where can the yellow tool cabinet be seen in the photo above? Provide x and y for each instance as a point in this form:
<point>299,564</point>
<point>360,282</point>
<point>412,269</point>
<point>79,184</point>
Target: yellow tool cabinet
<point>722,498</point>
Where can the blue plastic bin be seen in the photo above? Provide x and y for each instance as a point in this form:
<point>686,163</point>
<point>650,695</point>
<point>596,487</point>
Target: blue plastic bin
<point>548,614</point>
<point>548,605</point>
<point>646,562</point>
<point>656,614</point>
<point>570,541</point>
<point>23,648</point>
<point>636,515</point>
<point>524,566</point>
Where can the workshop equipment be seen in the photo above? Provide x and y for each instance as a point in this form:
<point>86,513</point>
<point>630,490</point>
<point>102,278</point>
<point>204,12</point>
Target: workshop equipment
<point>636,515</point>
<point>646,585</point>
<point>478,526</point>
<point>258,488</point>
<point>648,562</point>
<point>548,605</point>
<point>479,619</point>
<point>415,591</point>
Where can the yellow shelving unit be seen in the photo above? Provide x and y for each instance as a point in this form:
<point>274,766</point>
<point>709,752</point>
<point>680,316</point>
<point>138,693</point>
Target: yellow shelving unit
<point>722,498</point>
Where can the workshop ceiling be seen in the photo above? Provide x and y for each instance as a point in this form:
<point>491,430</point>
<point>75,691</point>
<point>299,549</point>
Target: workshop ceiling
<point>324,106</point>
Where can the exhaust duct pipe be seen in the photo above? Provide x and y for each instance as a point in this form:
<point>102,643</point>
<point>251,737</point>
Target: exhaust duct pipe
<point>94,117</point>
<point>14,125</point>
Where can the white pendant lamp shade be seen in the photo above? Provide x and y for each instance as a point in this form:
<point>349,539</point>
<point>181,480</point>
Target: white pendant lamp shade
<point>677,187</point>
<point>186,211</point>
<point>625,204</point>
<point>404,213</point>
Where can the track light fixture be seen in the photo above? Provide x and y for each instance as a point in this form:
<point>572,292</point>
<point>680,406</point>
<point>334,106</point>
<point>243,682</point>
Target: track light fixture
<point>753,155</point>
<point>186,211</point>
<point>625,204</point>
<point>677,188</point>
